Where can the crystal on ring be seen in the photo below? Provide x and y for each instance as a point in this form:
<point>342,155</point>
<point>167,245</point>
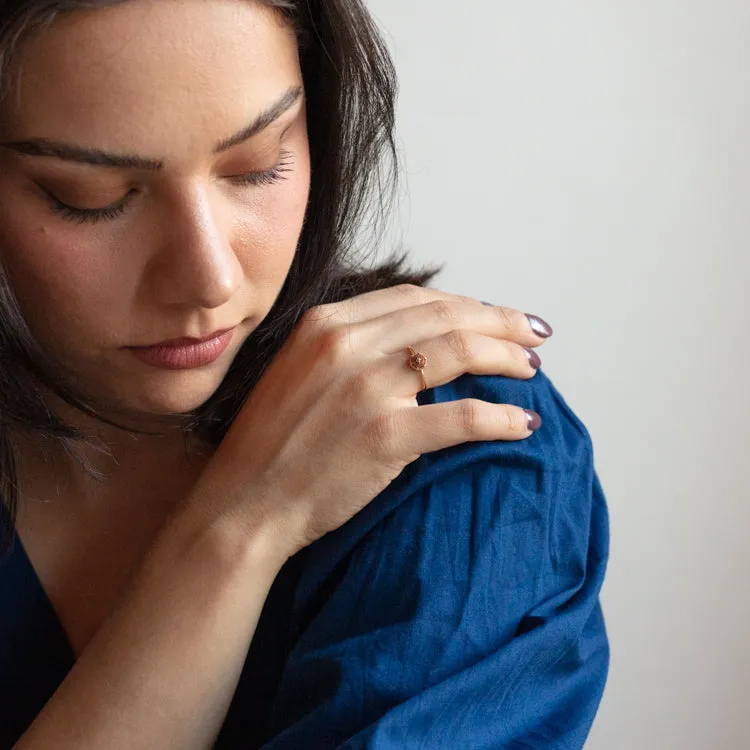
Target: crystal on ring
<point>418,361</point>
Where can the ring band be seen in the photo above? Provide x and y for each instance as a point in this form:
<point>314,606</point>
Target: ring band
<point>417,362</point>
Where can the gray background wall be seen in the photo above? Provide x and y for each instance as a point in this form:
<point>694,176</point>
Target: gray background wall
<point>589,162</point>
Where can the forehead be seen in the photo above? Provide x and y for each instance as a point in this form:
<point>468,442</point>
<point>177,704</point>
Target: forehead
<point>185,68</point>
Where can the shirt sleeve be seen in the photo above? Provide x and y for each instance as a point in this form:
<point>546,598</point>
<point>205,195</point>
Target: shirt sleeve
<point>469,615</point>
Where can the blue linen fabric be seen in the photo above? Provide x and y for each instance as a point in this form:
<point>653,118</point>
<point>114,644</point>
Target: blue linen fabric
<point>459,609</point>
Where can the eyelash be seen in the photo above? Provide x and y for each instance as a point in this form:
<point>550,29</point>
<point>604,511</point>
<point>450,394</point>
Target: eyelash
<point>93,215</point>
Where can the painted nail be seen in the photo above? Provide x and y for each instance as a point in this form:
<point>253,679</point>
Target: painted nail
<point>539,326</point>
<point>534,360</point>
<point>535,421</point>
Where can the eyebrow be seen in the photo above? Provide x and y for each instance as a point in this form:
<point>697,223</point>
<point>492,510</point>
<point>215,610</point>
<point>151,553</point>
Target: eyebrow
<point>69,152</point>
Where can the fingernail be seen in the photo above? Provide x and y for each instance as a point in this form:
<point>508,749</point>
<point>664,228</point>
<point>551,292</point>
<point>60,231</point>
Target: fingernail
<point>535,421</point>
<point>539,326</point>
<point>486,303</point>
<point>534,360</point>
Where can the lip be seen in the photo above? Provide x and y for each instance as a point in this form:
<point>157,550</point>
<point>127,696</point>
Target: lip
<point>196,354</point>
<point>187,341</point>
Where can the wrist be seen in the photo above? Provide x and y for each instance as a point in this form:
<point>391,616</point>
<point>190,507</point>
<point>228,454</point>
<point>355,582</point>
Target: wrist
<point>234,543</point>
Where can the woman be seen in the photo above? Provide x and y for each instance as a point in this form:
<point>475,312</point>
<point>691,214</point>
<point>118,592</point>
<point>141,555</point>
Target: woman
<point>339,524</point>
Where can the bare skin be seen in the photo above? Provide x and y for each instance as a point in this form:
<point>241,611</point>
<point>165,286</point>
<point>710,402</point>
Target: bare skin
<point>192,252</point>
<point>194,248</point>
<point>85,544</point>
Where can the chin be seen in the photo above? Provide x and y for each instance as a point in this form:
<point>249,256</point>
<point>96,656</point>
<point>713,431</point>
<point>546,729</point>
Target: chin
<point>179,400</point>
<point>179,392</point>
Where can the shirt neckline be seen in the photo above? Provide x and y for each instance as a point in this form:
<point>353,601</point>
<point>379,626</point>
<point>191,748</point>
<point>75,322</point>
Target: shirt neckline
<point>25,561</point>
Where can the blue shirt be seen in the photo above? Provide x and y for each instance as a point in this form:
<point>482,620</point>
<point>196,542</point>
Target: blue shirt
<point>458,609</point>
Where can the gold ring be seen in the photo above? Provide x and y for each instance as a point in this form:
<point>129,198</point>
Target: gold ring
<point>417,362</point>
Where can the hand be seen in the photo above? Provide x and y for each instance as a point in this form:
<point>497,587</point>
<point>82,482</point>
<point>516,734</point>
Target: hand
<point>334,418</point>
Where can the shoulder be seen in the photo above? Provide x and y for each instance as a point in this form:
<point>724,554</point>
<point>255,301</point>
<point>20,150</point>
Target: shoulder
<point>561,449</point>
<point>546,482</point>
<point>471,581</point>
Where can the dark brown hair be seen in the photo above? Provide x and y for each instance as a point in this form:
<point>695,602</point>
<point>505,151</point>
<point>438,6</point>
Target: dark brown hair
<point>351,88</point>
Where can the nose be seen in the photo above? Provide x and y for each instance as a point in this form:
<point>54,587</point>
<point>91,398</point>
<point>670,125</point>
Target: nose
<point>195,265</point>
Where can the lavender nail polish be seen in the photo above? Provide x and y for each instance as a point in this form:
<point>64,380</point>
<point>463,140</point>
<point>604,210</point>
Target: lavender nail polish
<point>535,421</point>
<point>539,326</point>
<point>534,360</point>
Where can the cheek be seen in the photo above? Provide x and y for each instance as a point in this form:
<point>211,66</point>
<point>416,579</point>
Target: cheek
<point>45,265</point>
<point>267,236</point>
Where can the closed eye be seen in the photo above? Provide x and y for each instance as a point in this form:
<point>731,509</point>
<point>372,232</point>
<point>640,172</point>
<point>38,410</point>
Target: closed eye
<point>112,211</point>
<point>269,176</point>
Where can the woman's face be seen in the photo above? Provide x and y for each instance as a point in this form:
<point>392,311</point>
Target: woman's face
<point>201,243</point>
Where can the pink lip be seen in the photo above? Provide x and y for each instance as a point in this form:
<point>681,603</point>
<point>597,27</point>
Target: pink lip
<point>187,341</point>
<point>195,354</point>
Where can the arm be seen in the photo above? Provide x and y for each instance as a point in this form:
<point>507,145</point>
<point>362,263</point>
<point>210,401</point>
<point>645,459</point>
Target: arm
<point>162,669</point>
<point>469,615</point>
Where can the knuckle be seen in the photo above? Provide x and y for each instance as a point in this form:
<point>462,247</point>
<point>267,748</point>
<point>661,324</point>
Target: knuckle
<point>412,292</point>
<point>445,310</point>
<point>461,343</point>
<point>335,342</point>
<point>517,354</point>
<point>315,313</point>
<point>515,421</point>
<point>380,434</point>
<point>314,319</point>
<point>505,314</point>
<point>469,414</point>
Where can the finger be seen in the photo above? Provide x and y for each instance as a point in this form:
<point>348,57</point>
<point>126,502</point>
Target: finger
<point>392,299</point>
<point>451,355</point>
<point>396,330</point>
<point>431,427</point>
<point>382,301</point>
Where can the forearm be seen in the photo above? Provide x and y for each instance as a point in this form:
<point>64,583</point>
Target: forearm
<point>163,668</point>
